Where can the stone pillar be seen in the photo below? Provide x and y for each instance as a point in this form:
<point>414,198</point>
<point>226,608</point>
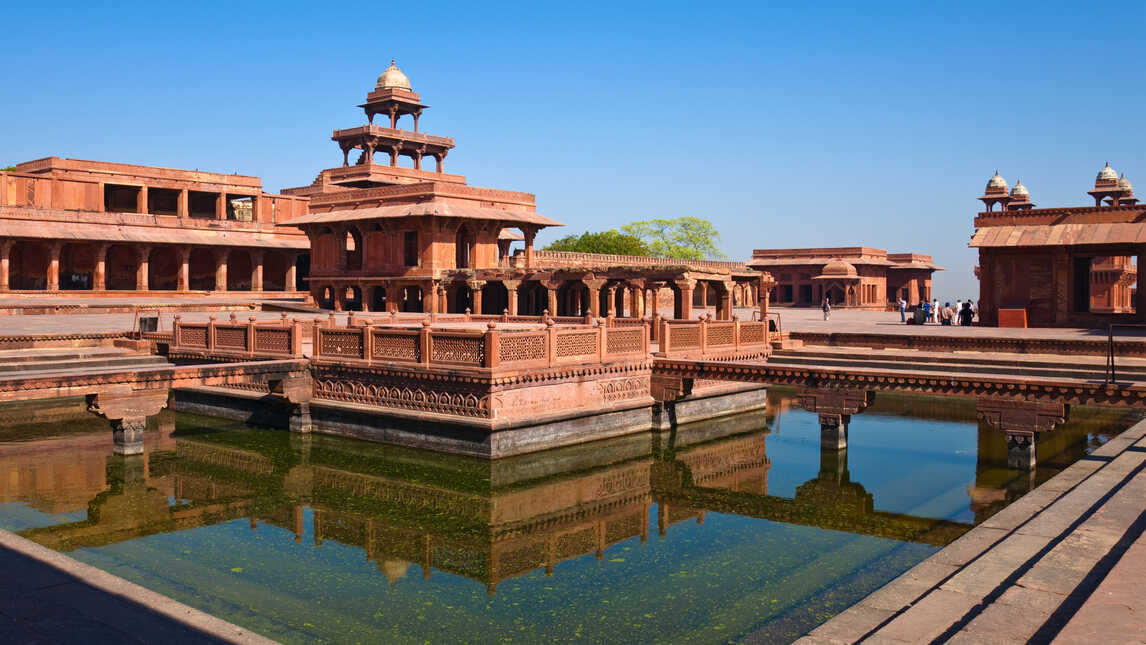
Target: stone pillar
<point>221,206</point>
<point>128,414</point>
<point>834,431</point>
<point>763,295</point>
<point>99,273</point>
<point>257,273</point>
<point>551,292</point>
<point>635,301</point>
<point>181,205</point>
<point>724,308</point>
<point>529,235</point>
<point>291,281</point>
<point>611,301</point>
<point>594,285</point>
<point>702,286</point>
<point>221,270</point>
<point>683,310</point>
<point>141,200</point>
<point>184,280</point>
<point>1021,450</point>
<point>475,289</point>
<point>5,256</point>
<point>1022,421</point>
<point>511,287</point>
<point>142,269</point>
<point>54,266</point>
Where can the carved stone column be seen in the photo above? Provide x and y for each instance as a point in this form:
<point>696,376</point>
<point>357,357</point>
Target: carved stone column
<point>551,292</point>
<point>5,255</point>
<point>611,301</point>
<point>53,277</point>
<point>128,414</point>
<point>835,407</point>
<point>291,282</point>
<point>683,308</point>
<point>1023,422</point>
<point>221,270</point>
<point>183,282</point>
<point>142,270</point>
<point>594,285</point>
<point>475,289</point>
<point>511,287</point>
<point>257,272</point>
<point>99,273</point>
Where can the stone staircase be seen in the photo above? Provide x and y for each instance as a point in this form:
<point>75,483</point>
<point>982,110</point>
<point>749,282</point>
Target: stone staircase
<point>1086,368</point>
<point>25,363</point>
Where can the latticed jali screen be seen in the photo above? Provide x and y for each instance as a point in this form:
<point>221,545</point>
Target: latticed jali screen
<point>751,333</point>
<point>684,336</point>
<point>272,340</point>
<point>466,350</point>
<point>721,335</point>
<point>192,337</point>
<point>521,347</point>
<point>334,342</point>
<point>231,337</point>
<point>625,341</point>
<point>581,343</point>
<point>401,347</point>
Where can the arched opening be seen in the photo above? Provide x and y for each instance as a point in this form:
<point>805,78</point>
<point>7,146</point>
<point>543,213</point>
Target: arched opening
<point>532,298</point>
<point>239,270</point>
<point>378,299</point>
<point>301,273</point>
<point>835,294</point>
<point>494,299</point>
<point>619,301</point>
<point>274,272</point>
<point>412,299</point>
<point>463,248</point>
<point>326,298</point>
<point>28,266</point>
<point>573,299</point>
<point>122,267</point>
<point>77,267</point>
<point>201,270</point>
<point>677,301</point>
<point>352,298</point>
<point>163,264</point>
<point>460,299</point>
<point>353,249</point>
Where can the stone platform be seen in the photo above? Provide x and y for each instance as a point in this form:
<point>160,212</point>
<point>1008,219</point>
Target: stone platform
<point>1061,564</point>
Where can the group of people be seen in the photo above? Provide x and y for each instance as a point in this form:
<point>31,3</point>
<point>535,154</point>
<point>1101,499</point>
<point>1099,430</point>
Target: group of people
<point>962,313</point>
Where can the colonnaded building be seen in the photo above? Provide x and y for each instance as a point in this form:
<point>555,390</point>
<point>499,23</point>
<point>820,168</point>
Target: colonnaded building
<point>391,236</point>
<point>1063,266</point>
<point>852,276</point>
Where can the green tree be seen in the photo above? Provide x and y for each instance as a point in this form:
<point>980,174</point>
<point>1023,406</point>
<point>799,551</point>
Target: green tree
<point>688,238</point>
<point>8,169</point>
<point>611,241</point>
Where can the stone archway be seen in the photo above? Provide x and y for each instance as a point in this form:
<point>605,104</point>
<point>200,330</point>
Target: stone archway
<point>122,267</point>
<point>494,298</point>
<point>77,267</point>
<point>163,265</point>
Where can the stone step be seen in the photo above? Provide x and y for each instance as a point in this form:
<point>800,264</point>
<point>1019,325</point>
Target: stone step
<point>984,358</point>
<point>59,354</point>
<point>87,364</point>
<point>80,370</point>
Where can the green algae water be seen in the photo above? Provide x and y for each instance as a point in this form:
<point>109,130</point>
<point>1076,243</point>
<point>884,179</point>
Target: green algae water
<point>740,529</point>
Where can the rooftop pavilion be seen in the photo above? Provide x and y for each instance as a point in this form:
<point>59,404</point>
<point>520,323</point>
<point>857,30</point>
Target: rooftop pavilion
<point>851,276</point>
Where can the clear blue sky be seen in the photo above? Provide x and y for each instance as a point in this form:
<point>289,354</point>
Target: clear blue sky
<point>787,126</point>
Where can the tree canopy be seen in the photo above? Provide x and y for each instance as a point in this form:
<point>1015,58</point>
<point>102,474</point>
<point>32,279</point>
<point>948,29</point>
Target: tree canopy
<point>611,241</point>
<point>8,169</point>
<point>688,238</point>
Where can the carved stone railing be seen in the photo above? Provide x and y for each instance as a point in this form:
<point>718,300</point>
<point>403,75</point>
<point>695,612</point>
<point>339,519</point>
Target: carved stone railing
<point>709,338</point>
<point>364,342</point>
<point>234,338</point>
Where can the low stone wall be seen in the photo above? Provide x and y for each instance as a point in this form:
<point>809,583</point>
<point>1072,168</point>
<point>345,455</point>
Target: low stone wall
<point>36,341</point>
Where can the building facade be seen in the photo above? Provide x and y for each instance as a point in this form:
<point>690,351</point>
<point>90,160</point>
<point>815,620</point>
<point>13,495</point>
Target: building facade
<point>69,226</point>
<point>1058,267</point>
<point>392,237</point>
<point>855,277</point>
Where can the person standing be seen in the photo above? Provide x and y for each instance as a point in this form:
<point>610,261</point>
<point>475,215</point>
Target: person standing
<point>958,308</point>
<point>935,311</point>
<point>902,310</point>
<point>827,307</point>
<point>926,307</point>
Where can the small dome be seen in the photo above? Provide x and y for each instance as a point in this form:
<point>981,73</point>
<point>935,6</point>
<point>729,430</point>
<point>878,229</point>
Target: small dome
<point>839,267</point>
<point>393,78</point>
<point>996,183</point>
<point>1124,184</point>
<point>1106,174</point>
<point>1020,190</point>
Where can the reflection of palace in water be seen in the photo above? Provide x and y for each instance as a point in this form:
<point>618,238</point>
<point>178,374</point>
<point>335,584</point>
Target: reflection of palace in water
<point>488,521</point>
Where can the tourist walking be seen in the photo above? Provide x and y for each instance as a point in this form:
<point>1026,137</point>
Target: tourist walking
<point>827,307</point>
<point>935,311</point>
<point>958,308</point>
<point>902,310</point>
<point>966,314</point>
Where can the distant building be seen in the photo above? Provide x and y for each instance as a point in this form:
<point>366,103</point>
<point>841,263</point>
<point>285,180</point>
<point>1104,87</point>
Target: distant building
<point>1057,267</point>
<point>852,276</point>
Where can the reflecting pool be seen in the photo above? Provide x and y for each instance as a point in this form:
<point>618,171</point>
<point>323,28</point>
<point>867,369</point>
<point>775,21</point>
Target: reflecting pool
<point>741,528</point>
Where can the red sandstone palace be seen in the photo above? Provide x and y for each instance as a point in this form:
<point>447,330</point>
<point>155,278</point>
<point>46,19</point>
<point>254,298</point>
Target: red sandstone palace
<point>1053,267</point>
<point>856,277</point>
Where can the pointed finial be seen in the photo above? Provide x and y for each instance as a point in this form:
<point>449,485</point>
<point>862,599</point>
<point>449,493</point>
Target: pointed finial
<point>392,63</point>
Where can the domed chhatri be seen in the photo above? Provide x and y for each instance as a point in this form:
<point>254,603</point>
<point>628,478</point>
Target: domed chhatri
<point>996,184</point>
<point>1106,175</point>
<point>838,267</point>
<point>1020,190</point>
<point>393,79</point>
<point>1124,184</point>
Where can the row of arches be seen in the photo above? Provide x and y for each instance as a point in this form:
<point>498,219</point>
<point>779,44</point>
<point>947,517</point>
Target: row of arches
<point>80,266</point>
